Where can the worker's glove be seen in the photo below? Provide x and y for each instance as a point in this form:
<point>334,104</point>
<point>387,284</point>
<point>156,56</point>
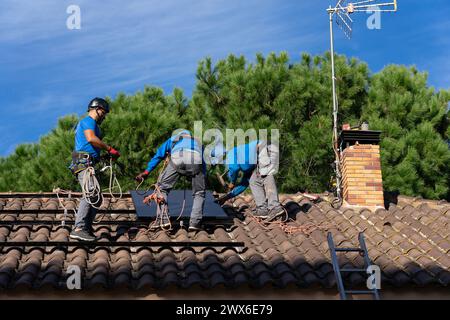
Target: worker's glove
<point>157,197</point>
<point>142,176</point>
<point>113,153</point>
<point>221,200</point>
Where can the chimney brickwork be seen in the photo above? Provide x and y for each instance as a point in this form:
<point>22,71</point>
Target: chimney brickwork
<point>362,178</point>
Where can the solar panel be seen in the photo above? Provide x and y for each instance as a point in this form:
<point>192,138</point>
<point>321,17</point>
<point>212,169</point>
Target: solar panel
<point>175,201</point>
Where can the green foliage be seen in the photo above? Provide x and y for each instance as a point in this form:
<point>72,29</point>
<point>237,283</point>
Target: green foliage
<point>268,93</point>
<point>138,124</point>
<point>49,168</point>
<point>41,166</point>
<point>415,120</point>
<point>13,167</point>
<point>308,159</point>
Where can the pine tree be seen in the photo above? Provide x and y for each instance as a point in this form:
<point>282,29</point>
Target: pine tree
<point>268,93</point>
<point>414,120</point>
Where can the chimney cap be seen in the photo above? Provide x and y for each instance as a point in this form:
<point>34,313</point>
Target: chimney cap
<point>351,137</point>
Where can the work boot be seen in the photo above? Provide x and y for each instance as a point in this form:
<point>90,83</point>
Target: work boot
<point>82,235</point>
<point>274,213</point>
<point>260,213</point>
<point>195,227</point>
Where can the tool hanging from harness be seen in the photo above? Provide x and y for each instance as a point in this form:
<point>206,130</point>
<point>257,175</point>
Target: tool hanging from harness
<point>81,161</point>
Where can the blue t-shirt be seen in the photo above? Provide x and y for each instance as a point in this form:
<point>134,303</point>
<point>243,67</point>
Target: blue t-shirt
<point>81,143</point>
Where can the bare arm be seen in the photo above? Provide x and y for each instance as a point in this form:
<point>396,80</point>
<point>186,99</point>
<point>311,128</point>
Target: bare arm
<point>94,140</point>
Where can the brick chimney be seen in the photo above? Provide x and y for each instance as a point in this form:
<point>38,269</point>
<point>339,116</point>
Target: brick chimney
<point>361,169</point>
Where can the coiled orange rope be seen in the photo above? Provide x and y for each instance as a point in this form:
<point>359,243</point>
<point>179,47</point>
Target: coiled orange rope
<point>306,228</point>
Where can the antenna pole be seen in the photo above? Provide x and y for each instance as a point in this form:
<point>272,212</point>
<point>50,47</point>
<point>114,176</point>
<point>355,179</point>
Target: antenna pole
<point>342,10</point>
<point>331,12</point>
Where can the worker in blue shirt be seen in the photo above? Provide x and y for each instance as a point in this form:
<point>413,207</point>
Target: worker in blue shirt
<point>257,162</point>
<point>86,154</point>
<point>185,158</point>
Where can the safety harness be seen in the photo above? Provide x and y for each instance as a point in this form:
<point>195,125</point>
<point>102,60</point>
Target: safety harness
<point>90,187</point>
<point>81,161</point>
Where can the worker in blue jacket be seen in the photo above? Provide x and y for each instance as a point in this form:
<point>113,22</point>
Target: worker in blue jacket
<point>185,158</point>
<point>257,162</point>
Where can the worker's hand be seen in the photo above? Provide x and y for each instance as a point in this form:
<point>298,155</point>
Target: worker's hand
<point>158,198</point>
<point>221,200</point>
<point>113,152</point>
<point>148,199</point>
<point>142,176</point>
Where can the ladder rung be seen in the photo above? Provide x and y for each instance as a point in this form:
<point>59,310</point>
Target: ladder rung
<point>359,292</point>
<point>349,250</point>
<point>353,270</point>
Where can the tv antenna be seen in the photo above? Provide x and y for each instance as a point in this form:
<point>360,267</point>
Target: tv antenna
<point>342,13</point>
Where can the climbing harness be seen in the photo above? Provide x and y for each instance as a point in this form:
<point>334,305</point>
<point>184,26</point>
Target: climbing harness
<point>80,161</point>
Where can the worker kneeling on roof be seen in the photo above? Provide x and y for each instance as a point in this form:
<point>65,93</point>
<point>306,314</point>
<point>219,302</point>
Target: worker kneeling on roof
<point>258,162</point>
<point>88,145</point>
<point>185,157</point>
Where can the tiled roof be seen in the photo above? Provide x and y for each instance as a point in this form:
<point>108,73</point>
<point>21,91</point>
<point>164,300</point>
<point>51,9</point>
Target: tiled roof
<point>410,242</point>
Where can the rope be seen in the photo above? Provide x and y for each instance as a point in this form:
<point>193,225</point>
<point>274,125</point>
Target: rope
<point>139,185</point>
<point>61,203</point>
<point>90,188</point>
<point>306,228</point>
<point>113,182</point>
<point>166,161</point>
<point>184,203</point>
<point>162,208</point>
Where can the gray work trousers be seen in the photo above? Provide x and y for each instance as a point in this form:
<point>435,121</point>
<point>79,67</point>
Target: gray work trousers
<point>192,168</point>
<point>86,213</point>
<point>265,193</point>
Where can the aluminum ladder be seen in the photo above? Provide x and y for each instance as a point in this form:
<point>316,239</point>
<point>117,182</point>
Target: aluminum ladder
<point>343,292</point>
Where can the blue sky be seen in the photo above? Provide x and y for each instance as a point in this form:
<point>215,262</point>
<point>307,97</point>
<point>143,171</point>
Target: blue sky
<point>47,71</point>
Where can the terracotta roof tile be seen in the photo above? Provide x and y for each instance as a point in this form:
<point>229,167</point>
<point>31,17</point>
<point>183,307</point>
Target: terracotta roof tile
<point>410,242</point>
